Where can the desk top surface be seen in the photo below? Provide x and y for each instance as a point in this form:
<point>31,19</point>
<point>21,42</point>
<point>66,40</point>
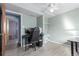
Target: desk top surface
<point>74,39</point>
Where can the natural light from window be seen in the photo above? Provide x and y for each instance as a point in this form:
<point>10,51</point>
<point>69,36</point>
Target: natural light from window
<point>69,27</point>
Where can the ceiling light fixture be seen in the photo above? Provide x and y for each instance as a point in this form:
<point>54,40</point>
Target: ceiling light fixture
<point>51,10</point>
<point>52,7</point>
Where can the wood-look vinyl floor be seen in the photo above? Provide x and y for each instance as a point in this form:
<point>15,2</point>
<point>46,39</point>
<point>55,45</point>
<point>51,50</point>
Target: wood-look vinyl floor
<point>49,49</point>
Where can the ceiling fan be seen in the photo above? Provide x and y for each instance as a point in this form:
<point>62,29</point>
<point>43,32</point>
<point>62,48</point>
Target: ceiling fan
<point>50,9</point>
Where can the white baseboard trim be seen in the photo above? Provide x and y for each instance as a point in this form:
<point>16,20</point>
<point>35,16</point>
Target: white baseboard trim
<point>54,42</point>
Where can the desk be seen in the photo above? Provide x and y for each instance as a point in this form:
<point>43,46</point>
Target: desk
<point>74,41</point>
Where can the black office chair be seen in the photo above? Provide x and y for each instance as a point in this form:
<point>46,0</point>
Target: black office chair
<point>40,42</point>
<point>35,37</point>
<point>27,37</point>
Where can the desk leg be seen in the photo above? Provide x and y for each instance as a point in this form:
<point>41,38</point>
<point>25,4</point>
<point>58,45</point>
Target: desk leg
<point>72,49</point>
<point>76,47</point>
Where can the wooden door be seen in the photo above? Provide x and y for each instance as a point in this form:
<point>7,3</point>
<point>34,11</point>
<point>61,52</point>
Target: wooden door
<point>4,28</point>
<point>0,31</point>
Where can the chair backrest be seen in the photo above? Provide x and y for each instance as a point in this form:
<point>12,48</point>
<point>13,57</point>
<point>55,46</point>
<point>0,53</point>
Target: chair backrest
<point>35,35</point>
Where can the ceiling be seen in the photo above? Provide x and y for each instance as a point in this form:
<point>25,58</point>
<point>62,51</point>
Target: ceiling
<point>37,9</point>
<point>20,10</point>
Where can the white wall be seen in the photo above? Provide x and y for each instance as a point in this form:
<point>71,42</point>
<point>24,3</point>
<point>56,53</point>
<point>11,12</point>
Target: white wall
<point>45,25</point>
<point>64,27</point>
<point>27,22</point>
<point>40,21</point>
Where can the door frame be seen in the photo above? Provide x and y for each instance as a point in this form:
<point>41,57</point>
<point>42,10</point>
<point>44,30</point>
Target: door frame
<point>20,14</point>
